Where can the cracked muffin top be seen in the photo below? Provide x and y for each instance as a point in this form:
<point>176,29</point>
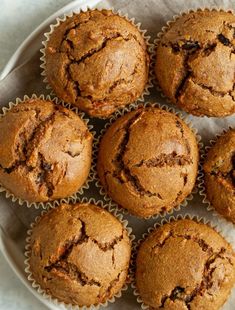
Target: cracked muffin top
<point>80,254</point>
<point>148,161</point>
<point>219,168</point>
<point>45,151</point>
<point>98,61</point>
<point>185,265</point>
<point>195,63</point>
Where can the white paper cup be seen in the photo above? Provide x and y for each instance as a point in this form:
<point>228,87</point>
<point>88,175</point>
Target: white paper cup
<point>108,207</point>
<point>120,113</point>
<point>222,227</point>
<point>164,29</point>
<point>201,181</point>
<point>150,49</point>
<point>76,196</point>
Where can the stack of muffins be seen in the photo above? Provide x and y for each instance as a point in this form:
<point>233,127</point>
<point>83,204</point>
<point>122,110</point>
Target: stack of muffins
<point>98,62</point>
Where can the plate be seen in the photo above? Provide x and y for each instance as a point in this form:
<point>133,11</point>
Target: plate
<point>17,218</point>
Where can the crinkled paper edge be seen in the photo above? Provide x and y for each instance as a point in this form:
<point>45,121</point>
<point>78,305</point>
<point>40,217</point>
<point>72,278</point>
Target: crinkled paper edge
<point>108,207</point>
<point>150,50</point>
<point>201,179</point>
<point>159,36</point>
<point>217,226</point>
<point>76,196</point>
<point>128,109</point>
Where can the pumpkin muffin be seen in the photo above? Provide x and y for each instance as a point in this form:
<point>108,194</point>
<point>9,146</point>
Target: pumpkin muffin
<point>185,265</point>
<point>80,254</point>
<point>148,161</point>
<point>195,63</point>
<point>45,151</point>
<point>219,168</point>
<point>98,61</point>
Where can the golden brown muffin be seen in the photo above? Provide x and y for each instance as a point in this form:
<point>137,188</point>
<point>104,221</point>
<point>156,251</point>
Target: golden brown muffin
<point>219,168</point>
<point>185,265</point>
<point>98,61</point>
<point>148,161</point>
<point>80,254</point>
<point>45,151</point>
<point>195,63</point>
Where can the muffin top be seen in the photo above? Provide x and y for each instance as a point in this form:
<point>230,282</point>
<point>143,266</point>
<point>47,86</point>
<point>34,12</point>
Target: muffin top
<point>98,61</point>
<point>45,151</point>
<point>148,161</point>
<point>219,168</point>
<point>195,63</point>
<point>80,254</point>
<point>185,265</point>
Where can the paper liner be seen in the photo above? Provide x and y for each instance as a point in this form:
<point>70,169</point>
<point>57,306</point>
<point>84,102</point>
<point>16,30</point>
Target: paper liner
<point>150,49</point>
<point>161,34</point>
<point>222,227</point>
<point>108,207</point>
<point>120,113</point>
<point>201,178</point>
<point>76,196</point>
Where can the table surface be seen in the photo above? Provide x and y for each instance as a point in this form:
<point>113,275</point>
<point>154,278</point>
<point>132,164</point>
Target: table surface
<point>18,19</point>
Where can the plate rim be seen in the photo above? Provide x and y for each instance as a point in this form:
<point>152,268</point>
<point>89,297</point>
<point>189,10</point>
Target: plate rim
<point>76,4</point>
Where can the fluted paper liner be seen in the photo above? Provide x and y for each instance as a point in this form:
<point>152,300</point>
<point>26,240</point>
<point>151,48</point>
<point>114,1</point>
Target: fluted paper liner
<point>222,227</point>
<point>201,179</point>
<point>150,49</point>
<point>76,196</point>
<point>113,118</point>
<point>161,34</point>
<point>108,207</point>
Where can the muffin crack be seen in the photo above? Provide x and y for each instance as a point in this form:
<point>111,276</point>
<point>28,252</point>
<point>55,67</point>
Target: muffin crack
<point>203,245</point>
<point>215,92</point>
<point>179,293</point>
<point>112,284</point>
<point>27,144</point>
<point>63,265</point>
<point>207,281</point>
<point>228,175</point>
<point>108,245</point>
<point>87,56</point>
<point>29,157</point>
<point>73,272</point>
<point>171,160</point>
<point>122,171</point>
<point>187,49</point>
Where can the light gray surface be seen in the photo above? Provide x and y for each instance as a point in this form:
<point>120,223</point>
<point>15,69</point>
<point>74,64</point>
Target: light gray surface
<point>18,18</point>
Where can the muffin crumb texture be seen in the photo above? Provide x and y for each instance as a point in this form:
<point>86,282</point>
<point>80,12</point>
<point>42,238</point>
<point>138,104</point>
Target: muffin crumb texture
<point>80,254</point>
<point>219,168</point>
<point>148,161</point>
<point>45,151</point>
<point>195,63</point>
<point>98,61</point>
<point>185,265</point>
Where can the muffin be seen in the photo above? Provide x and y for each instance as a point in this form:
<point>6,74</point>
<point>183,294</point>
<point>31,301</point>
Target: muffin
<point>148,161</point>
<point>219,169</point>
<point>195,63</point>
<point>185,265</point>
<point>79,254</point>
<point>45,151</point>
<point>98,61</point>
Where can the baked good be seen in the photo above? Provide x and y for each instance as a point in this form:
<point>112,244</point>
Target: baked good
<point>148,161</point>
<point>185,265</point>
<point>98,61</point>
<point>80,254</point>
<point>219,168</point>
<point>45,151</point>
<point>195,63</point>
